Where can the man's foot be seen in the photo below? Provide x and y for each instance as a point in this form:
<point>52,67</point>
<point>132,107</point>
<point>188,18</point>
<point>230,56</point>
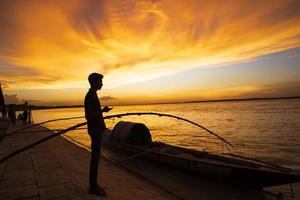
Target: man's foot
<point>98,190</point>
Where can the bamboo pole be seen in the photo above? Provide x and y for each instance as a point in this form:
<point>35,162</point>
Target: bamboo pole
<point>84,123</point>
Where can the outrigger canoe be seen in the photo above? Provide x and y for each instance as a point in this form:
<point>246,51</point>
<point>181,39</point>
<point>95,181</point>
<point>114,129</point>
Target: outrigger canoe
<point>134,139</point>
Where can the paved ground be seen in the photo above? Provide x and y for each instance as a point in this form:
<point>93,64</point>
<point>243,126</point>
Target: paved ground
<point>58,169</point>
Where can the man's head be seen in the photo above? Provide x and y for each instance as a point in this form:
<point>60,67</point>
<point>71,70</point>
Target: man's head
<point>95,81</point>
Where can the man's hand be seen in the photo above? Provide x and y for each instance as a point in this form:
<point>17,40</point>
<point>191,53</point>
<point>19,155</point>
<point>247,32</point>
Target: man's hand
<point>106,109</point>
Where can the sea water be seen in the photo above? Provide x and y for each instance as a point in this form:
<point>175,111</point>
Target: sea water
<point>268,130</point>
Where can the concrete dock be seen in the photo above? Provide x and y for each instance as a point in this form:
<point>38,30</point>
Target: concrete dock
<point>58,169</point>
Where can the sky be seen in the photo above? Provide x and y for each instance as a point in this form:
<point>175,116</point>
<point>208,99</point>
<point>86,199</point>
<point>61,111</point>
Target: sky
<point>149,51</point>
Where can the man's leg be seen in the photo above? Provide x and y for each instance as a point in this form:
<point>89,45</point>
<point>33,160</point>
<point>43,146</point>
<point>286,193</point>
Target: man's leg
<point>95,157</point>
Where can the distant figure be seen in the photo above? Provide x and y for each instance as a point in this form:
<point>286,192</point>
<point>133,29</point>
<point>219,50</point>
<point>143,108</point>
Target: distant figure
<point>2,103</point>
<point>30,118</point>
<point>25,113</point>
<point>20,116</point>
<point>96,127</point>
<point>12,114</point>
<point>3,111</point>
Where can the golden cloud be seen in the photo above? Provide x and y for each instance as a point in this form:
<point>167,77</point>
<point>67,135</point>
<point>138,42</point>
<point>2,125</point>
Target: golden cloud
<point>59,43</point>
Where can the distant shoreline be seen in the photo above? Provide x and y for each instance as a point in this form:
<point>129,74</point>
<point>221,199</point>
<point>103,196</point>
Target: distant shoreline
<point>197,101</point>
<point>247,99</point>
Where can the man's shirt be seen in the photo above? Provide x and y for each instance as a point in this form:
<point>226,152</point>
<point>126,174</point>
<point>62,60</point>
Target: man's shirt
<point>92,106</point>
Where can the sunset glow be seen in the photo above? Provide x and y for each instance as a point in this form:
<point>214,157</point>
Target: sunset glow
<point>54,45</point>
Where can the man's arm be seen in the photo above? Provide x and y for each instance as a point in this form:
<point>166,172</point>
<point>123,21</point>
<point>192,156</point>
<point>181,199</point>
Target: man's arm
<point>91,114</point>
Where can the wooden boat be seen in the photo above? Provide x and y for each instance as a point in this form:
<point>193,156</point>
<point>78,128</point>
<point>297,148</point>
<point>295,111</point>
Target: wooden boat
<point>134,139</point>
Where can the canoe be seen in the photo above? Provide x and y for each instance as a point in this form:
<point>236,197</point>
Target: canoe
<point>229,168</point>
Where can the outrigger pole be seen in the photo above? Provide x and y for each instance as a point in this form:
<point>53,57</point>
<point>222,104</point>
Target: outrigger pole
<point>171,116</point>
<point>84,123</point>
<point>37,124</point>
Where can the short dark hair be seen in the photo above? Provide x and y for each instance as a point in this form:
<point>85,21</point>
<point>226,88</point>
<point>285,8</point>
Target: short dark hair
<point>94,77</point>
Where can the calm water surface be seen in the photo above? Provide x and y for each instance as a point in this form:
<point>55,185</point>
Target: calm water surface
<point>267,130</point>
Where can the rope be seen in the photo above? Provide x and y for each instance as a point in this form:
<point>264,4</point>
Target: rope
<point>267,164</point>
<point>134,156</point>
<point>292,191</point>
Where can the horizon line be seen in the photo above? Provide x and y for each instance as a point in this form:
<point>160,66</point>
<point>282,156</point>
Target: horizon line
<point>195,101</point>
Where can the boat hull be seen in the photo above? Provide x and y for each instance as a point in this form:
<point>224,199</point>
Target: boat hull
<point>217,167</point>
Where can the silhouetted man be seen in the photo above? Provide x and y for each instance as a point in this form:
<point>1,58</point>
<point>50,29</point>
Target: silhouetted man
<point>12,114</point>
<point>96,127</point>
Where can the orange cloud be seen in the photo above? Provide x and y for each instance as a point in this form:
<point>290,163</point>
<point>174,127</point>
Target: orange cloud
<point>59,43</point>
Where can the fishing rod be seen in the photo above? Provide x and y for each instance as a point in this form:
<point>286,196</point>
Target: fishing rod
<point>84,123</point>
